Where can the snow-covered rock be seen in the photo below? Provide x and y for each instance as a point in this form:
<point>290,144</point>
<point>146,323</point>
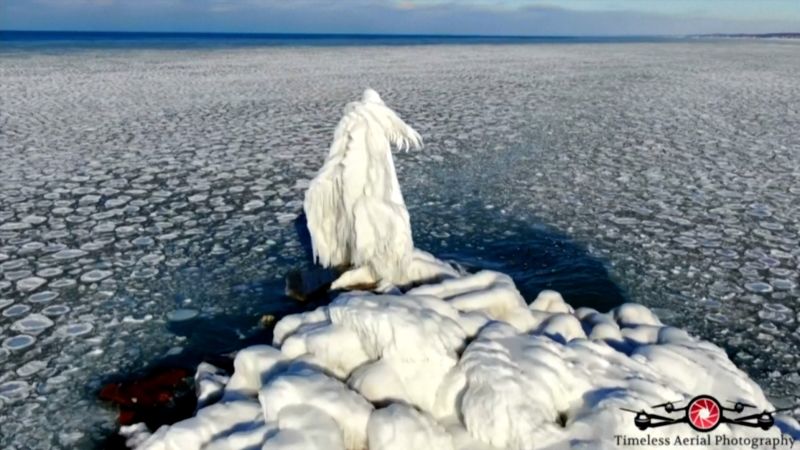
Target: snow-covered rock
<point>209,382</point>
<point>401,427</point>
<point>331,398</point>
<point>415,370</point>
<point>211,423</point>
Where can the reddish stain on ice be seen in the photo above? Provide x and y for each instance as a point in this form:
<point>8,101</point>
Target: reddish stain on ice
<point>154,391</point>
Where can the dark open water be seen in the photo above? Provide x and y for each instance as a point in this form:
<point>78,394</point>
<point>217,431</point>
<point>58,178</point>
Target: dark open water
<point>65,40</point>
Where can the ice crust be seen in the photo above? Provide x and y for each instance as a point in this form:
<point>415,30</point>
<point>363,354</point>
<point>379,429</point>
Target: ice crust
<point>463,364</point>
<point>674,164</point>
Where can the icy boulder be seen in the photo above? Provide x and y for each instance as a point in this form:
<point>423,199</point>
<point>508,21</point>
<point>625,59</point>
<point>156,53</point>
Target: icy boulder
<point>333,412</point>
<point>462,364</point>
<point>387,347</point>
<point>401,427</point>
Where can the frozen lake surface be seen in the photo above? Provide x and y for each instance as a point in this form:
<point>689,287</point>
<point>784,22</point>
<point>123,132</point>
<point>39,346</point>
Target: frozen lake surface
<point>139,184</point>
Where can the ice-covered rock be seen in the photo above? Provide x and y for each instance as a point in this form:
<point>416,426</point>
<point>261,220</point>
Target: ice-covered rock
<point>491,294</point>
<point>403,371</point>
<point>135,435</point>
<point>421,268</point>
<point>305,427</point>
<point>209,382</point>
<point>401,427</point>
<point>332,413</point>
<point>211,423</point>
<point>251,366</point>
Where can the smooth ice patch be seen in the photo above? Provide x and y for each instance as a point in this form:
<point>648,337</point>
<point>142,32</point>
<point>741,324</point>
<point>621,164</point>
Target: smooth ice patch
<point>19,342</point>
<point>30,284</point>
<point>69,254</point>
<point>56,310</point>
<point>33,324</point>
<point>50,272</point>
<point>43,297</point>
<point>34,219</point>
<point>16,311</point>
<point>93,276</point>
<point>30,368</point>
<point>253,205</point>
<point>14,226</point>
<point>14,390</point>
<point>75,329</point>
<point>180,315</point>
<point>758,287</point>
<point>63,283</point>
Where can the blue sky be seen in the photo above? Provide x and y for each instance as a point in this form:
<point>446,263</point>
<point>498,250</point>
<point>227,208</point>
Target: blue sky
<point>492,17</point>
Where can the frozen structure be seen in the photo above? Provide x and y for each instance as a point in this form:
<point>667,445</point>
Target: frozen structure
<point>463,363</point>
<point>356,214</point>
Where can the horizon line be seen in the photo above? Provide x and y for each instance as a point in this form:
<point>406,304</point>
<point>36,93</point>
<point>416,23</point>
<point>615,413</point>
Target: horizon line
<point>321,34</point>
<point>405,35</point>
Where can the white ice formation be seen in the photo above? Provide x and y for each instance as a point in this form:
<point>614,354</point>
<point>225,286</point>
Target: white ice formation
<point>356,214</point>
<point>464,363</point>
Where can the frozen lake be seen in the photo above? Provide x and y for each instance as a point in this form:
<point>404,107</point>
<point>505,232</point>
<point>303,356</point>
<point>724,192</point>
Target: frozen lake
<point>135,184</point>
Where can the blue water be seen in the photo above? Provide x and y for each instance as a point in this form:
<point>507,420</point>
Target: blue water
<point>64,40</point>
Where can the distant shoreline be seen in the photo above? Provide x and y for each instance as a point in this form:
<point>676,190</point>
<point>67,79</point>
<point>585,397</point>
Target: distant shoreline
<point>14,33</point>
<point>752,35</point>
